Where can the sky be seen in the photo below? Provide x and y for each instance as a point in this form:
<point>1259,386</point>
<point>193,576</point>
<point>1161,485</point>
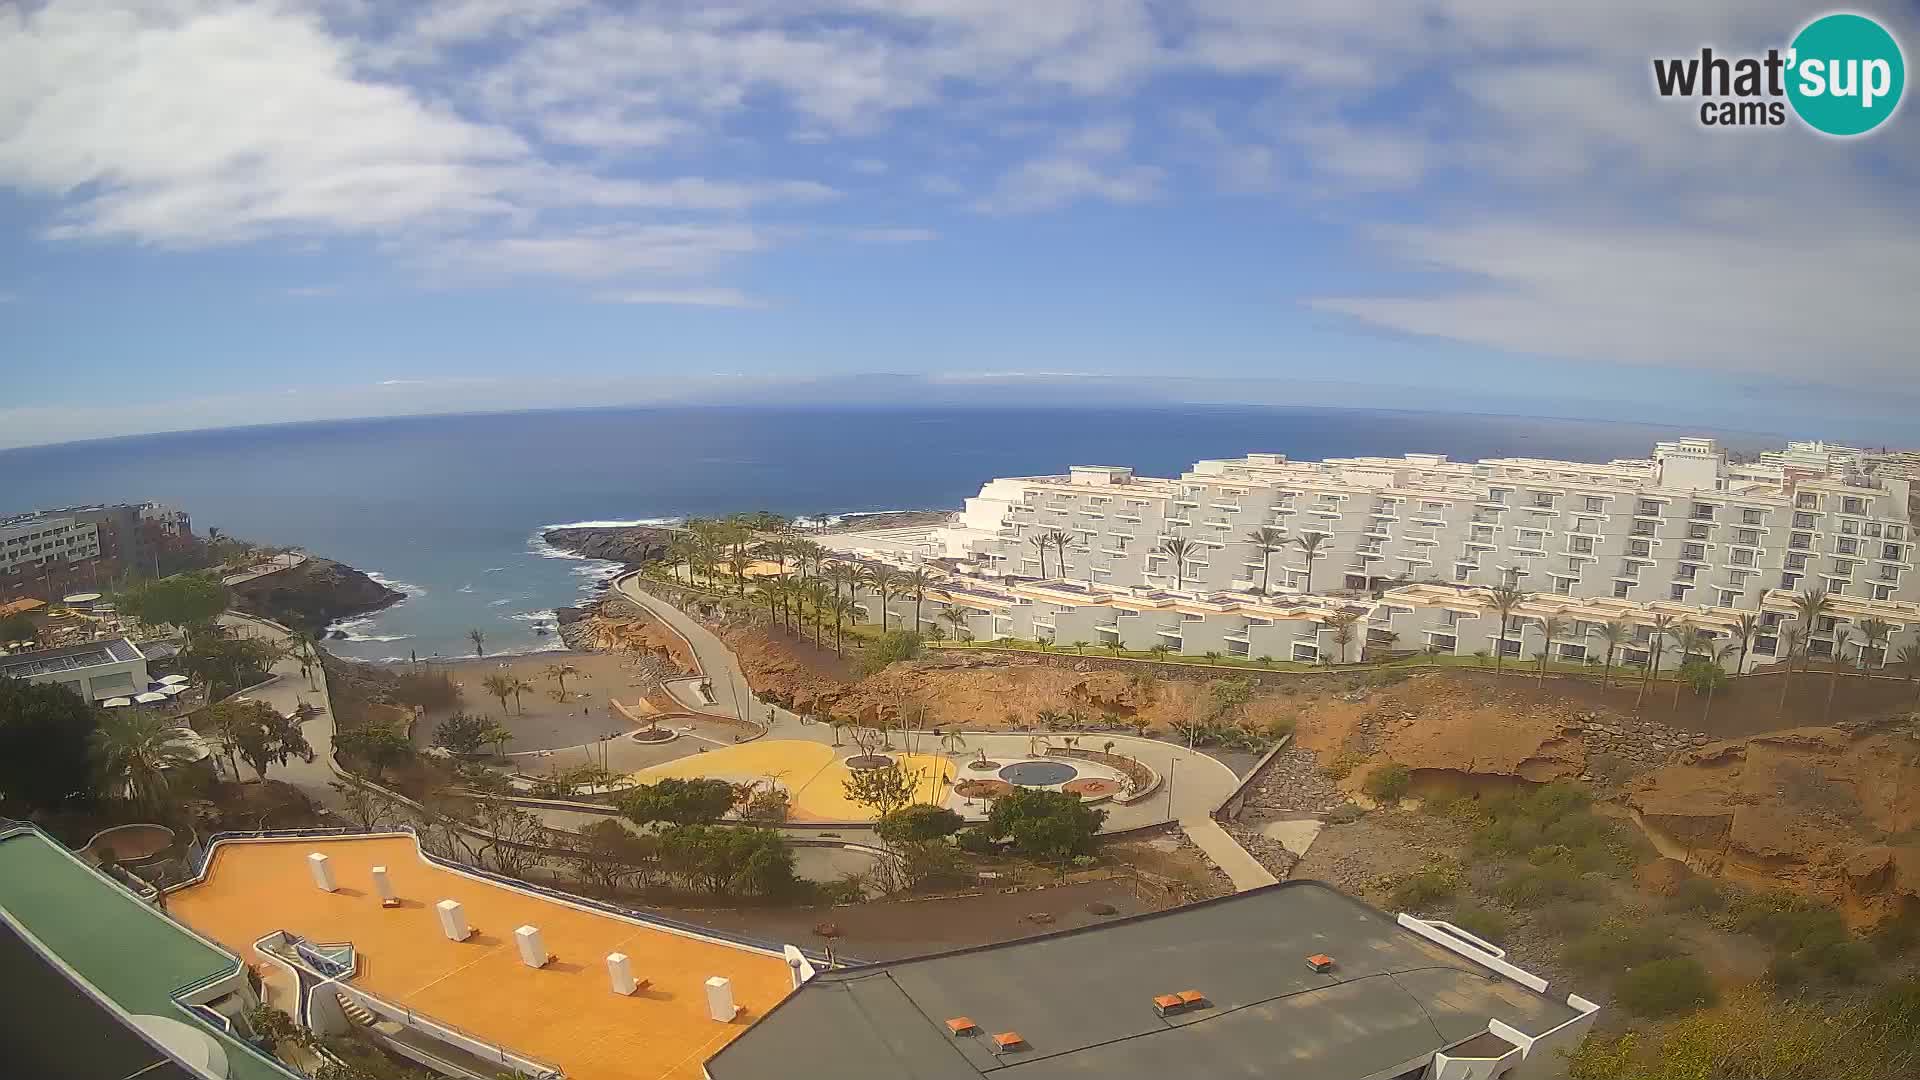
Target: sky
<point>217,213</point>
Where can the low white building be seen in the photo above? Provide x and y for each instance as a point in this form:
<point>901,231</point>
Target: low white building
<point>96,670</point>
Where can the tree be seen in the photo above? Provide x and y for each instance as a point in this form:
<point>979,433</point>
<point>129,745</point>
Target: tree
<point>956,617</point>
<point>1505,599</point>
<point>1342,624</point>
<point>893,646</point>
<point>883,580</point>
<point>226,663</point>
<point>1615,634</point>
<point>18,628</point>
<point>915,584</point>
<point>258,733</point>
<point>463,734</point>
<point>559,673</point>
<point>479,639</point>
<point>675,801</point>
<point>1659,626</point>
<point>185,600</point>
<point>138,754</point>
<point>377,746</point>
<point>882,790</point>
<point>1689,639</point>
<point>1551,627</point>
<point>606,855</point>
<point>1745,629</point>
<point>1795,640</point>
<point>500,685</point>
<point>1060,539</point>
<point>729,860</point>
<point>1040,542</point>
<point>918,824</point>
<point>1309,544</point>
<point>1266,540</point>
<point>1044,824</point>
<point>518,686</point>
<point>1178,550</point>
<point>821,598</point>
<point>1908,657</point>
<point>45,735</point>
<point>842,612</point>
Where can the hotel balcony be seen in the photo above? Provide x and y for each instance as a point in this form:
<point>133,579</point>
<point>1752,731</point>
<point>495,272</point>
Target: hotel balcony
<point>1232,508</point>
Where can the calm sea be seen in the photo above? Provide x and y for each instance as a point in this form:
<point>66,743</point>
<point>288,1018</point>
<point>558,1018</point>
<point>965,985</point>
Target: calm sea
<point>449,508</point>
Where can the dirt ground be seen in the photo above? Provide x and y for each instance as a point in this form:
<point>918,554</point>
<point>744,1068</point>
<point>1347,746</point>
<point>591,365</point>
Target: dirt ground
<point>892,929</point>
<point>539,721</point>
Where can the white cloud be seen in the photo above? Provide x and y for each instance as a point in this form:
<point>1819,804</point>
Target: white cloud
<point>9,297</point>
<point>705,297</point>
<point>599,252</point>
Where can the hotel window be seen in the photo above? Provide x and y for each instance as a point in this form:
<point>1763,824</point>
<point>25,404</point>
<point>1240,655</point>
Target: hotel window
<point>1460,571</point>
<point>1563,585</point>
<point>1702,512</point>
<point>1851,505</point>
<point>1890,551</point>
<point>1872,529</point>
<point>1649,508</point>
<point>1771,618</point>
<point>1738,578</point>
<point>1620,589</point>
<point>1845,546</point>
<point>1750,516</point>
<point>1894,532</point>
<point>1643,528</point>
<point>1678,592</point>
<point>1849,528</point>
<point>1688,571</point>
<point>1827,623</point>
<point>1693,551</point>
<point>1803,521</point>
<point>1581,544</point>
<point>1584,525</point>
<point>1788,581</point>
<point>1806,500</point>
<point>1843,567</point>
<point>1697,531</point>
<point>1889,573</point>
<point>1883,592</point>
<point>1640,548</point>
<point>1800,540</point>
<point>1741,557</point>
<point>1746,536</point>
<point>1728,599</point>
<point>1595,504</point>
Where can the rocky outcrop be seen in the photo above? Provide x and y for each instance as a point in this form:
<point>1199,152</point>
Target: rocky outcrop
<point>628,544</point>
<point>313,594</point>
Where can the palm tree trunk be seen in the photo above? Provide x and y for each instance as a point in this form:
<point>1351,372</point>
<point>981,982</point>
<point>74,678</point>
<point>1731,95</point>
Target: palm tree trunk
<point>917,601</point>
<point>1786,683</point>
<point>1708,711</point>
<point>1499,644</point>
<point>1266,571</point>
<point>1833,683</point>
<point>1606,675</point>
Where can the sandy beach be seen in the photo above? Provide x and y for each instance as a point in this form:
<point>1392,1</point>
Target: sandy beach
<point>539,722</point>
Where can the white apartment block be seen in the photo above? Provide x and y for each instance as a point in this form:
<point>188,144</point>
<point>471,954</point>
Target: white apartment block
<point>27,542</point>
<point>1681,532</point>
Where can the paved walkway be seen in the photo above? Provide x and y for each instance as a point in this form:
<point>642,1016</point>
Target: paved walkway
<point>288,690</point>
<point>1243,869</point>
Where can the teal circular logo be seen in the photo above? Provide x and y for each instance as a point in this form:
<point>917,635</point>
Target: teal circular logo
<point>1845,74</point>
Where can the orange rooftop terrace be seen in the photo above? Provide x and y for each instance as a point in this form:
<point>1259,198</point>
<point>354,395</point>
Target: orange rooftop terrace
<point>564,1013</point>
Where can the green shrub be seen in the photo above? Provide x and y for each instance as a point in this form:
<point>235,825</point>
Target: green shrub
<point>975,842</point>
<point>893,646</point>
<point>1424,890</point>
<point>1482,922</point>
<point>1617,945</point>
<point>1698,895</point>
<point>1535,886</point>
<point>1667,987</point>
<point>1388,783</point>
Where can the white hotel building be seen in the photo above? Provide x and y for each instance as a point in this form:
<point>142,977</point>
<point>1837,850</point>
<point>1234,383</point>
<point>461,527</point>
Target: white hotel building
<point>1411,542</point>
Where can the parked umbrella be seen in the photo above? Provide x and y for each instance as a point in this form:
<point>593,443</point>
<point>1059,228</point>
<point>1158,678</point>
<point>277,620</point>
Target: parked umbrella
<point>172,690</point>
<point>116,702</point>
<point>149,698</point>
<point>175,680</point>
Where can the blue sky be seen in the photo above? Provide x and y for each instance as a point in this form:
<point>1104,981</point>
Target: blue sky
<point>215,213</point>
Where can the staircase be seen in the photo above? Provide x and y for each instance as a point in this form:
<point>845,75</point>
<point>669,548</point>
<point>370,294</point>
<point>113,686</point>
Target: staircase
<point>355,1011</point>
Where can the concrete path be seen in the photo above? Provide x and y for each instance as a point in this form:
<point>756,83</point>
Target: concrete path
<point>1227,854</point>
<point>288,690</point>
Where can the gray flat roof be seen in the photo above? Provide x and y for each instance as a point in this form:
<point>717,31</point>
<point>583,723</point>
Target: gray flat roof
<point>1082,1001</point>
<point>68,658</point>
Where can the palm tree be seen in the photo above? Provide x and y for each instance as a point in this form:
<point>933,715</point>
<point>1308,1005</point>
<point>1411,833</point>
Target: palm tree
<point>680,550</point>
<point>1796,640</point>
<point>521,686</point>
<point>1309,542</point>
<point>1179,549</point>
<point>558,673</point>
<point>1615,633</point>
<point>136,753</point>
<point>1875,633</point>
<point>1745,629</point>
<point>1908,657</point>
<point>1061,539</point>
<point>499,685</point>
<point>956,616</point>
<point>1718,657</point>
<point>1551,627</point>
<point>478,638</point>
<point>1266,540</point>
<point>307,648</point>
<point>884,580</point>
<point>818,594</point>
<point>1691,640</point>
<point>915,584</point>
<point>1660,624</point>
<point>770,592</point>
<point>1505,599</point>
<point>1808,608</point>
<point>1841,635</point>
<point>842,609</point>
<point>1040,542</point>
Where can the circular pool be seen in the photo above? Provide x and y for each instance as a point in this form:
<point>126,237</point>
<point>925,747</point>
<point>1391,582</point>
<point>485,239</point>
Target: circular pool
<point>1038,773</point>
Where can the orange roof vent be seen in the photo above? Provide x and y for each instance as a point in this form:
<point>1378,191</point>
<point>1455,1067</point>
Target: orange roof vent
<point>1192,999</point>
<point>1320,962</point>
<point>961,1025</point>
<point>1166,1003</point>
<point>1008,1040</point>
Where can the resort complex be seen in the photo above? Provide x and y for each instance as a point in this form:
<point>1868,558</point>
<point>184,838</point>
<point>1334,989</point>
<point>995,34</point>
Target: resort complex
<point>1260,556</point>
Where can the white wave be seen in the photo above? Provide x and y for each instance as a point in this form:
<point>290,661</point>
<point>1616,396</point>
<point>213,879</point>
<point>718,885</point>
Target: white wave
<point>533,616</point>
<point>636,522</point>
<point>495,569</point>
<point>468,587</point>
<point>498,603</point>
<point>377,637</point>
<point>397,586</point>
<point>355,623</point>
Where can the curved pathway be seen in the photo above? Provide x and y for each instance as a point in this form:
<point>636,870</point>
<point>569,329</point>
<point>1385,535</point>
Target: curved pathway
<point>286,691</point>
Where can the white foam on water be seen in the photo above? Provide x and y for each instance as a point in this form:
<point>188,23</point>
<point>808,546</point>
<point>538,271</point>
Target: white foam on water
<point>397,586</point>
<point>465,588</point>
<point>533,616</point>
<point>494,569</point>
<point>635,523</point>
<point>498,603</point>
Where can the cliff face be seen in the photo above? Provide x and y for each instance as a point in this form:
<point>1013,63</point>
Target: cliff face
<point>629,544</point>
<point>313,594</point>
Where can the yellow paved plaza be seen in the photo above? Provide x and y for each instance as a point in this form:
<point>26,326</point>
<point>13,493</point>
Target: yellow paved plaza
<point>811,771</point>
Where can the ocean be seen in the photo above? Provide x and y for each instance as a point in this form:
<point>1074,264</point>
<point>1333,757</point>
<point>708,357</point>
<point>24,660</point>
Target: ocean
<point>449,509</point>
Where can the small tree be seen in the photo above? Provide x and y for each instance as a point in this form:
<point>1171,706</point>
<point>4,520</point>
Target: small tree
<point>259,734</point>
<point>463,734</point>
<point>1388,783</point>
<point>1045,824</point>
<point>479,639</point>
<point>918,824</point>
<point>44,733</point>
<point>379,747</point>
<point>674,801</point>
<point>500,686</point>
<point>882,790</point>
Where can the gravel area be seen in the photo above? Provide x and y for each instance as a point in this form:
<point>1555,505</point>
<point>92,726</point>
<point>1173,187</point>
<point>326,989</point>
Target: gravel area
<point>1293,781</point>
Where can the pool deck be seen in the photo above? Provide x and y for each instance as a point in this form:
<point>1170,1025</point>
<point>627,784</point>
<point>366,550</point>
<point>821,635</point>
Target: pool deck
<point>563,1014</point>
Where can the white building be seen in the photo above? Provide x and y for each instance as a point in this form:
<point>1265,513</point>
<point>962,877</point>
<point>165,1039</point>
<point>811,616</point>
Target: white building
<point>1681,532</point>
<point>96,670</point>
<point>27,542</point>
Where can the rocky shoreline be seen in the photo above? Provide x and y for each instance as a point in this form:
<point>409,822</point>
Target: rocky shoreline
<point>629,545</point>
<point>314,594</point>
